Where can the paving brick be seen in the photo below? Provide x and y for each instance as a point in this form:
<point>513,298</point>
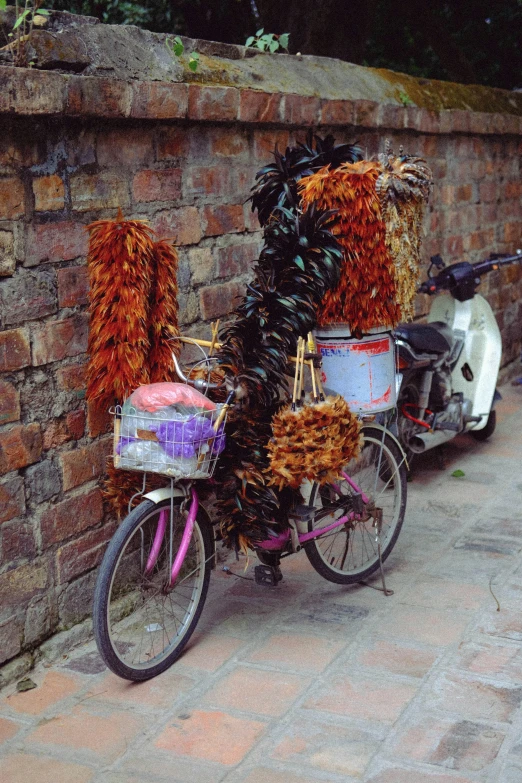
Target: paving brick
<point>397,658</point>
<point>219,299</point>
<point>8,729</point>
<point>182,226</point>
<point>212,103</point>
<point>214,736</point>
<point>105,737</point>
<point>328,748</point>
<point>52,242</point>
<point>9,402</point>
<point>396,774</point>
<point>19,446</point>
<point>374,700</point>
<point>208,652</point>
<point>12,198</point>
<point>162,185</point>
<point>297,652</point>
<point>28,295</point>
<point>84,464</point>
<point>259,107</point>
<point>12,498</point>
<point>261,692</point>
<point>476,699</point>
<point>156,693</point>
<point>58,340</point>
<point>19,585</point>
<point>265,775</point>
<point>70,517</point>
<point>493,660</point>
<point>73,286</point>
<point>445,742</point>
<point>158,101</point>
<point>423,625</point>
<point>49,193</point>
<point>19,768</point>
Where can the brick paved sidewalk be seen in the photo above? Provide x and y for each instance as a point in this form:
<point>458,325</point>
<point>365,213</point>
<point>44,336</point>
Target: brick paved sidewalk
<point>317,682</point>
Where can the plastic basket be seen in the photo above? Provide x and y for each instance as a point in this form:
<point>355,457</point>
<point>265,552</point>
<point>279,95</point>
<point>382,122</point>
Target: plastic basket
<point>186,447</point>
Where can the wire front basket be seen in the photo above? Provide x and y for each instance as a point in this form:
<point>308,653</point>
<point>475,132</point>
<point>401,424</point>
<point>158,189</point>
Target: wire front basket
<point>185,447</point>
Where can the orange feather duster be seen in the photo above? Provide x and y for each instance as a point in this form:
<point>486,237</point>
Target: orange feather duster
<point>163,317</point>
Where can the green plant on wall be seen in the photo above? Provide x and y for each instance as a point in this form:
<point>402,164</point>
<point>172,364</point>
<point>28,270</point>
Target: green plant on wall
<point>268,42</point>
<point>28,15</point>
<point>176,48</point>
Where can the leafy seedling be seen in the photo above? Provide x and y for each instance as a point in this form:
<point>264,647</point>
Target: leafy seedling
<point>458,474</point>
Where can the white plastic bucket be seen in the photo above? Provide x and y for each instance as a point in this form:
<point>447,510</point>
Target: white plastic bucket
<point>361,370</point>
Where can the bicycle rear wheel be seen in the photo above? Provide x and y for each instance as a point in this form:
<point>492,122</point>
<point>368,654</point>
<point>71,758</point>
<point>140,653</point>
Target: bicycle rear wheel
<point>141,623</point>
<point>350,553</point>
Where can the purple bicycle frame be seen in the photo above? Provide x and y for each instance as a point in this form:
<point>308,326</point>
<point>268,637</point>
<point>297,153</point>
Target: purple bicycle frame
<point>273,543</point>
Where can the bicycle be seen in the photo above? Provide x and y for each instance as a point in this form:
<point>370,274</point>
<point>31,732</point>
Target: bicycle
<point>154,577</point>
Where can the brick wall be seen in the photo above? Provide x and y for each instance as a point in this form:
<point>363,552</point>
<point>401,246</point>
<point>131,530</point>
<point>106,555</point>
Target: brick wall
<point>183,157</point>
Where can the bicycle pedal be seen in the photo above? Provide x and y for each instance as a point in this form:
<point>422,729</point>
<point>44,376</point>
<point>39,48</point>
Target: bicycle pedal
<point>267,575</point>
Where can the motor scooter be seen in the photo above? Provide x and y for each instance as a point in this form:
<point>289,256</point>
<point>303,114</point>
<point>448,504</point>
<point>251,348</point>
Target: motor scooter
<point>450,365</point>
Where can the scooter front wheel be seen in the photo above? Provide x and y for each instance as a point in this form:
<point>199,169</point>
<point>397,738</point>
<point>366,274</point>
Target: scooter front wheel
<point>141,621</point>
<point>487,431</point>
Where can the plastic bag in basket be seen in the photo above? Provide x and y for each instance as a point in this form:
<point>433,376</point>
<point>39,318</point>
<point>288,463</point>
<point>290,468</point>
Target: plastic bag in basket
<point>154,396</point>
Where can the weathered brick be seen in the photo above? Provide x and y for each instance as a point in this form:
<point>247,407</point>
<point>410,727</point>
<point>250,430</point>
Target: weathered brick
<point>337,113</point>
<point>228,145</point>
<point>265,142</point>
<point>42,481</point>
<point>73,377</point>
<point>19,585</point>
<point>49,193</point>
<point>84,464</point>
<point>104,190</point>
<point>218,300</point>
<point>27,295</point>
<point>99,420</point>
<point>73,286</point>
<point>392,116</point>
<point>11,631</point>
<point>464,193</point>
<point>125,147</point>
<point>71,517</point>
<point>76,600</point>
<point>453,246</point>
<point>56,433</point>
<point>251,219</point>
<point>259,107</point>
<point>97,97</point>
<point>12,198</point>
<point>12,499</point>
<point>512,232</point>
<point>488,191</point>
<point>301,109</point>
<point>223,219</point>
<point>20,446</point>
<point>428,121</point>
<point>173,142</point>
<point>26,91</point>
<point>7,254</point>
<point>181,225</point>
<point>82,554</point>
<point>163,185</point>
<point>366,113</point>
<point>204,180</point>
<point>55,242</point>
<point>213,103</point>
<point>15,351</point>
<point>235,259</point>
<point>57,340</point>
<point>75,422</point>
<point>40,619</point>
<point>9,402</point>
<point>158,100</point>
<point>18,541</point>
<point>201,261</point>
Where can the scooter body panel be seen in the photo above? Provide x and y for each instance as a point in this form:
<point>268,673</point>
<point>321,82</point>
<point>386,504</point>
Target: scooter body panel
<point>481,352</point>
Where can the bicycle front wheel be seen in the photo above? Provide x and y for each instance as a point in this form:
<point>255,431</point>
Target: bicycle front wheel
<point>349,553</point>
<point>141,622</point>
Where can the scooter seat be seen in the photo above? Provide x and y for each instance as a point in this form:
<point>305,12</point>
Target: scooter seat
<point>431,338</point>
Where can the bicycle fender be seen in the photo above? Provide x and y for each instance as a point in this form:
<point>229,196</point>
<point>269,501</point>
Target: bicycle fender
<point>375,426</point>
<point>165,493</point>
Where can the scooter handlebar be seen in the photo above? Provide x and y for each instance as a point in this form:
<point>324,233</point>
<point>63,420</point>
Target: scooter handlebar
<point>444,279</point>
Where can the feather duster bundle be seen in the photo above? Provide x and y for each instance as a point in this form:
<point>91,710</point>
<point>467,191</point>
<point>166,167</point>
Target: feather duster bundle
<point>163,312</point>
<point>299,262</point>
<point>365,297</point>
<point>403,190</point>
<point>312,442</point>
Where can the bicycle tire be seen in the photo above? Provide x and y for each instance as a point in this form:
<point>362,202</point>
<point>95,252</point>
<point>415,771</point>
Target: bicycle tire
<point>130,603</point>
<point>349,554</point>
